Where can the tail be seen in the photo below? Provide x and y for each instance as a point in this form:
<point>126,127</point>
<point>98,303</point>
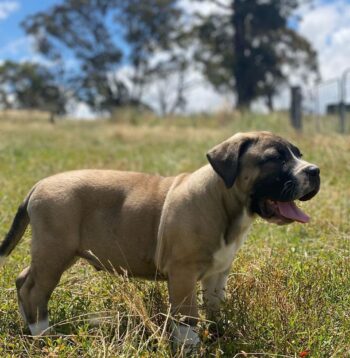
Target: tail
<point>18,227</point>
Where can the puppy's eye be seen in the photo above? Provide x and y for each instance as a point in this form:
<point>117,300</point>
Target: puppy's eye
<point>273,158</point>
<point>281,159</point>
<point>297,153</point>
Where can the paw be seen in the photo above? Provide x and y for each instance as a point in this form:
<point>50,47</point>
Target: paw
<point>184,338</point>
<point>40,328</point>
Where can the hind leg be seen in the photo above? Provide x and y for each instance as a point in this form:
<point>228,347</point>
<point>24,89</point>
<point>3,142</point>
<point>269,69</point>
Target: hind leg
<point>19,283</point>
<point>50,258</point>
<point>34,287</point>
<point>32,301</point>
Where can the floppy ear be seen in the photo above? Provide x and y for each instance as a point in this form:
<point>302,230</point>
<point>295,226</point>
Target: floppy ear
<point>224,158</point>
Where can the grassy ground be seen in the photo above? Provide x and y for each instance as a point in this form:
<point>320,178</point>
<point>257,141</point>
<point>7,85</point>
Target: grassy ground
<point>289,290</point>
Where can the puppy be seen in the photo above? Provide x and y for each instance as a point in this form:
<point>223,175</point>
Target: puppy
<point>182,229</point>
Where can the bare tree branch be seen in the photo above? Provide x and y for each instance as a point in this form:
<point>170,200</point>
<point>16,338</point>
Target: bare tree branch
<point>221,5</point>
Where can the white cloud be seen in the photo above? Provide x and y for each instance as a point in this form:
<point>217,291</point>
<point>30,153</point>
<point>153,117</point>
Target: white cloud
<point>327,27</point>
<point>200,96</point>
<point>318,23</point>
<point>22,49</point>
<point>342,37</point>
<point>7,8</point>
<point>204,98</point>
<point>81,111</point>
<point>16,47</point>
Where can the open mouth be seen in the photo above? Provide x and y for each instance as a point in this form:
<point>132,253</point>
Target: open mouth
<point>282,212</point>
<point>309,195</point>
<point>277,207</point>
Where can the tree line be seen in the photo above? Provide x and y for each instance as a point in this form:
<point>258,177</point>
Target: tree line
<point>109,53</point>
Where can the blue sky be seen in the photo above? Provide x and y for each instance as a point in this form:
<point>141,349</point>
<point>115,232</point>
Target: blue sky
<point>326,25</point>
<point>13,44</point>
<point>11,15</point>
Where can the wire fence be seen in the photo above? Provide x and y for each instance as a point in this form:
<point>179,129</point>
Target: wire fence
<point>328,104</point>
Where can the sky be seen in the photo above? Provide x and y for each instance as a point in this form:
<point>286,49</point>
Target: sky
<point>326,25</point>
<point>13,42</point>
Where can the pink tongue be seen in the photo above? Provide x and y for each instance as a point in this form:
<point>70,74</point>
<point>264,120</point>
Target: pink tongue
<point>291,211</point>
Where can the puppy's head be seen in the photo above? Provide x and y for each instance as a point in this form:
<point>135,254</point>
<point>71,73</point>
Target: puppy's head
<point>270,171</point>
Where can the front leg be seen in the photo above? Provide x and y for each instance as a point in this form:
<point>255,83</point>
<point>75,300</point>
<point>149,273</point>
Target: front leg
<point>214,293</point>
<point>183,301</point>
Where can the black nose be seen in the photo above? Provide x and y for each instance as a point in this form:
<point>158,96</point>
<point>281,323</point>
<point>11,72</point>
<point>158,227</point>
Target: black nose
<point>312,170</point>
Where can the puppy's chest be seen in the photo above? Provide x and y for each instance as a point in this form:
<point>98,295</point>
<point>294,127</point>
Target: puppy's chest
<point>224,255</point>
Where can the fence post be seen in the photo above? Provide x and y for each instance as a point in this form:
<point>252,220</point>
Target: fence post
<point>342,104</point>
<point>342,116</point>
<point>296,108</point>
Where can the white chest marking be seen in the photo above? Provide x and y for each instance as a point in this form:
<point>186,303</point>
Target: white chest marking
<point>223,257</point>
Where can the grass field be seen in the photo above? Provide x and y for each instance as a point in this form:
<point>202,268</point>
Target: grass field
<point>289,290</point>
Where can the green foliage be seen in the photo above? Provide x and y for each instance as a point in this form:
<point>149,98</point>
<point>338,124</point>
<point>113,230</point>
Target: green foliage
<point>30,86</point>
<point>289,289</point>
<point>100,37</point>
<point>108,54</point>
<point>250,47</point>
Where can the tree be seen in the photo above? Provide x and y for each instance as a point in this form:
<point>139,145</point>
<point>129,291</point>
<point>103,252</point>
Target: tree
<point>101,38</point>
<point>249,47</point>
<point>30,86</point>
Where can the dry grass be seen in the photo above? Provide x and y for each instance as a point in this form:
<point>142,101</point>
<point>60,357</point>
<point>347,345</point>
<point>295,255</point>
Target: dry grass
<point>289,290</point>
